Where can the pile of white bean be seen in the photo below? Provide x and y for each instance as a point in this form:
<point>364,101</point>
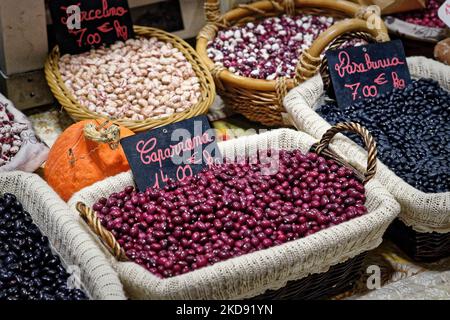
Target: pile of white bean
<point>138,79</point>
<point>10,139</point>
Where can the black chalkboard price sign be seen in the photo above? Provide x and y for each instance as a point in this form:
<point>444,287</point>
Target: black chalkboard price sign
<point>84,24</point>
<point>175,151</point>
<point>365,72</point>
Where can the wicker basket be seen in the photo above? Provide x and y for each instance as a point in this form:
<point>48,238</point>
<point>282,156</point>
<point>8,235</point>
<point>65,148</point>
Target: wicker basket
<point>300,266</point>
<point>338,279</point>
<point>79,112</point>
<point>261,100</point>
<point>420,246</point>
<point>423,229</point>
<point>68,239</point>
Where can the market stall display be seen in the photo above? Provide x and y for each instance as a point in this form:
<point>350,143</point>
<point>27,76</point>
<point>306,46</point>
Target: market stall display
<point>86,152</point>
<point>289,244</point>
<point>44,253</point>
<point>20,148</point>
<point>147,82</point>
<point>148,186</point>
<point>258,96</point>
<point>415,155</point>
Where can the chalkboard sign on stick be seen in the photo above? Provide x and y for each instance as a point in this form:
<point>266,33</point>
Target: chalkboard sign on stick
<point>175,151</point>
<point>84,24</point>
<point>368,71</point>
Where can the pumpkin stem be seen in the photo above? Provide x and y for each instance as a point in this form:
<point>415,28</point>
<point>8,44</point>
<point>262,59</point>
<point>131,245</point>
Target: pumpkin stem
<point>110,135</point>
<point>72,159</point>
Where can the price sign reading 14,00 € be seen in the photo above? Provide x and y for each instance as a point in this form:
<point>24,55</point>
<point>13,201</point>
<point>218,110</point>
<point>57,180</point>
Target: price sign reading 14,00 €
<point>83,24</point>
<point>176,151</point>
<point>365,72</point>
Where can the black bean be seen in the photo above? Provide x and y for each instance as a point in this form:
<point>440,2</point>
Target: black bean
<point>412,129</point>
<point>28,268</point>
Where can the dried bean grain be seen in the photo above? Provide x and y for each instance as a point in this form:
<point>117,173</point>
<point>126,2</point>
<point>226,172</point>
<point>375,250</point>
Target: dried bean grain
<point>138,79</point>
<point>412,129</point>
<point>229,210</point>
<point>28,268</point>
<point>267,49</point>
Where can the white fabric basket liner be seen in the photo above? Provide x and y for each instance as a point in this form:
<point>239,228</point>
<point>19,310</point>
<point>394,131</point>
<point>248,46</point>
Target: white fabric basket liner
<point>424,212</point>
<point>68,239</point>
<point>255,273</point>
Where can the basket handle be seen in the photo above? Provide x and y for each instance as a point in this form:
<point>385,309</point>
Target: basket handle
<point>212,10</point>
<point>336,44</point>
<point>107,238</point>
<point>309,62</point>
<point>368,140</point>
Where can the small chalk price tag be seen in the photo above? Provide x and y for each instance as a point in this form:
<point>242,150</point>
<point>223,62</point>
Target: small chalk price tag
<point>365,72</point>
<point>444,13</point>
<point>84,24</point>
<point>175,151</point>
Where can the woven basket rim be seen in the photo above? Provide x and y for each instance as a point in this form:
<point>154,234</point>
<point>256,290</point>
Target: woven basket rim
<point>79,112</point>
<point>249,83</point>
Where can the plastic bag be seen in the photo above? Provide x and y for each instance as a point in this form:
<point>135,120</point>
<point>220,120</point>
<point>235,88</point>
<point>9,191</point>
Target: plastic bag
<point>395,6</point>
<point>32,152</point>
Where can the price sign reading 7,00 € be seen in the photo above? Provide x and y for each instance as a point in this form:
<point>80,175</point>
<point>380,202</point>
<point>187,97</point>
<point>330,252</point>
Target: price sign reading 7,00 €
<point>371,90</point>
<point>83,24</point>
<point>365,72</point>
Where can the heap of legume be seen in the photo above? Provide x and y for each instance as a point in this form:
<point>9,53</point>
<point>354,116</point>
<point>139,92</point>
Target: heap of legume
<point>229,210</point>
<point>138,79</point>
<point>427,17</point>
<point>10,135</point>
<point>28,268</point>
<point>267,49</point>
<point>412,129</point>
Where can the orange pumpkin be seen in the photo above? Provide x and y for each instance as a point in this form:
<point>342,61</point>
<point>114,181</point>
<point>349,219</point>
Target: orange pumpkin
<point>87,152</point>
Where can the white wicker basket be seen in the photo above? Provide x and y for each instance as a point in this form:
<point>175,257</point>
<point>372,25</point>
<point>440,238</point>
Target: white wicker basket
<point>424,212</point>
<point>253,274</point>
<point>72,243</point>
